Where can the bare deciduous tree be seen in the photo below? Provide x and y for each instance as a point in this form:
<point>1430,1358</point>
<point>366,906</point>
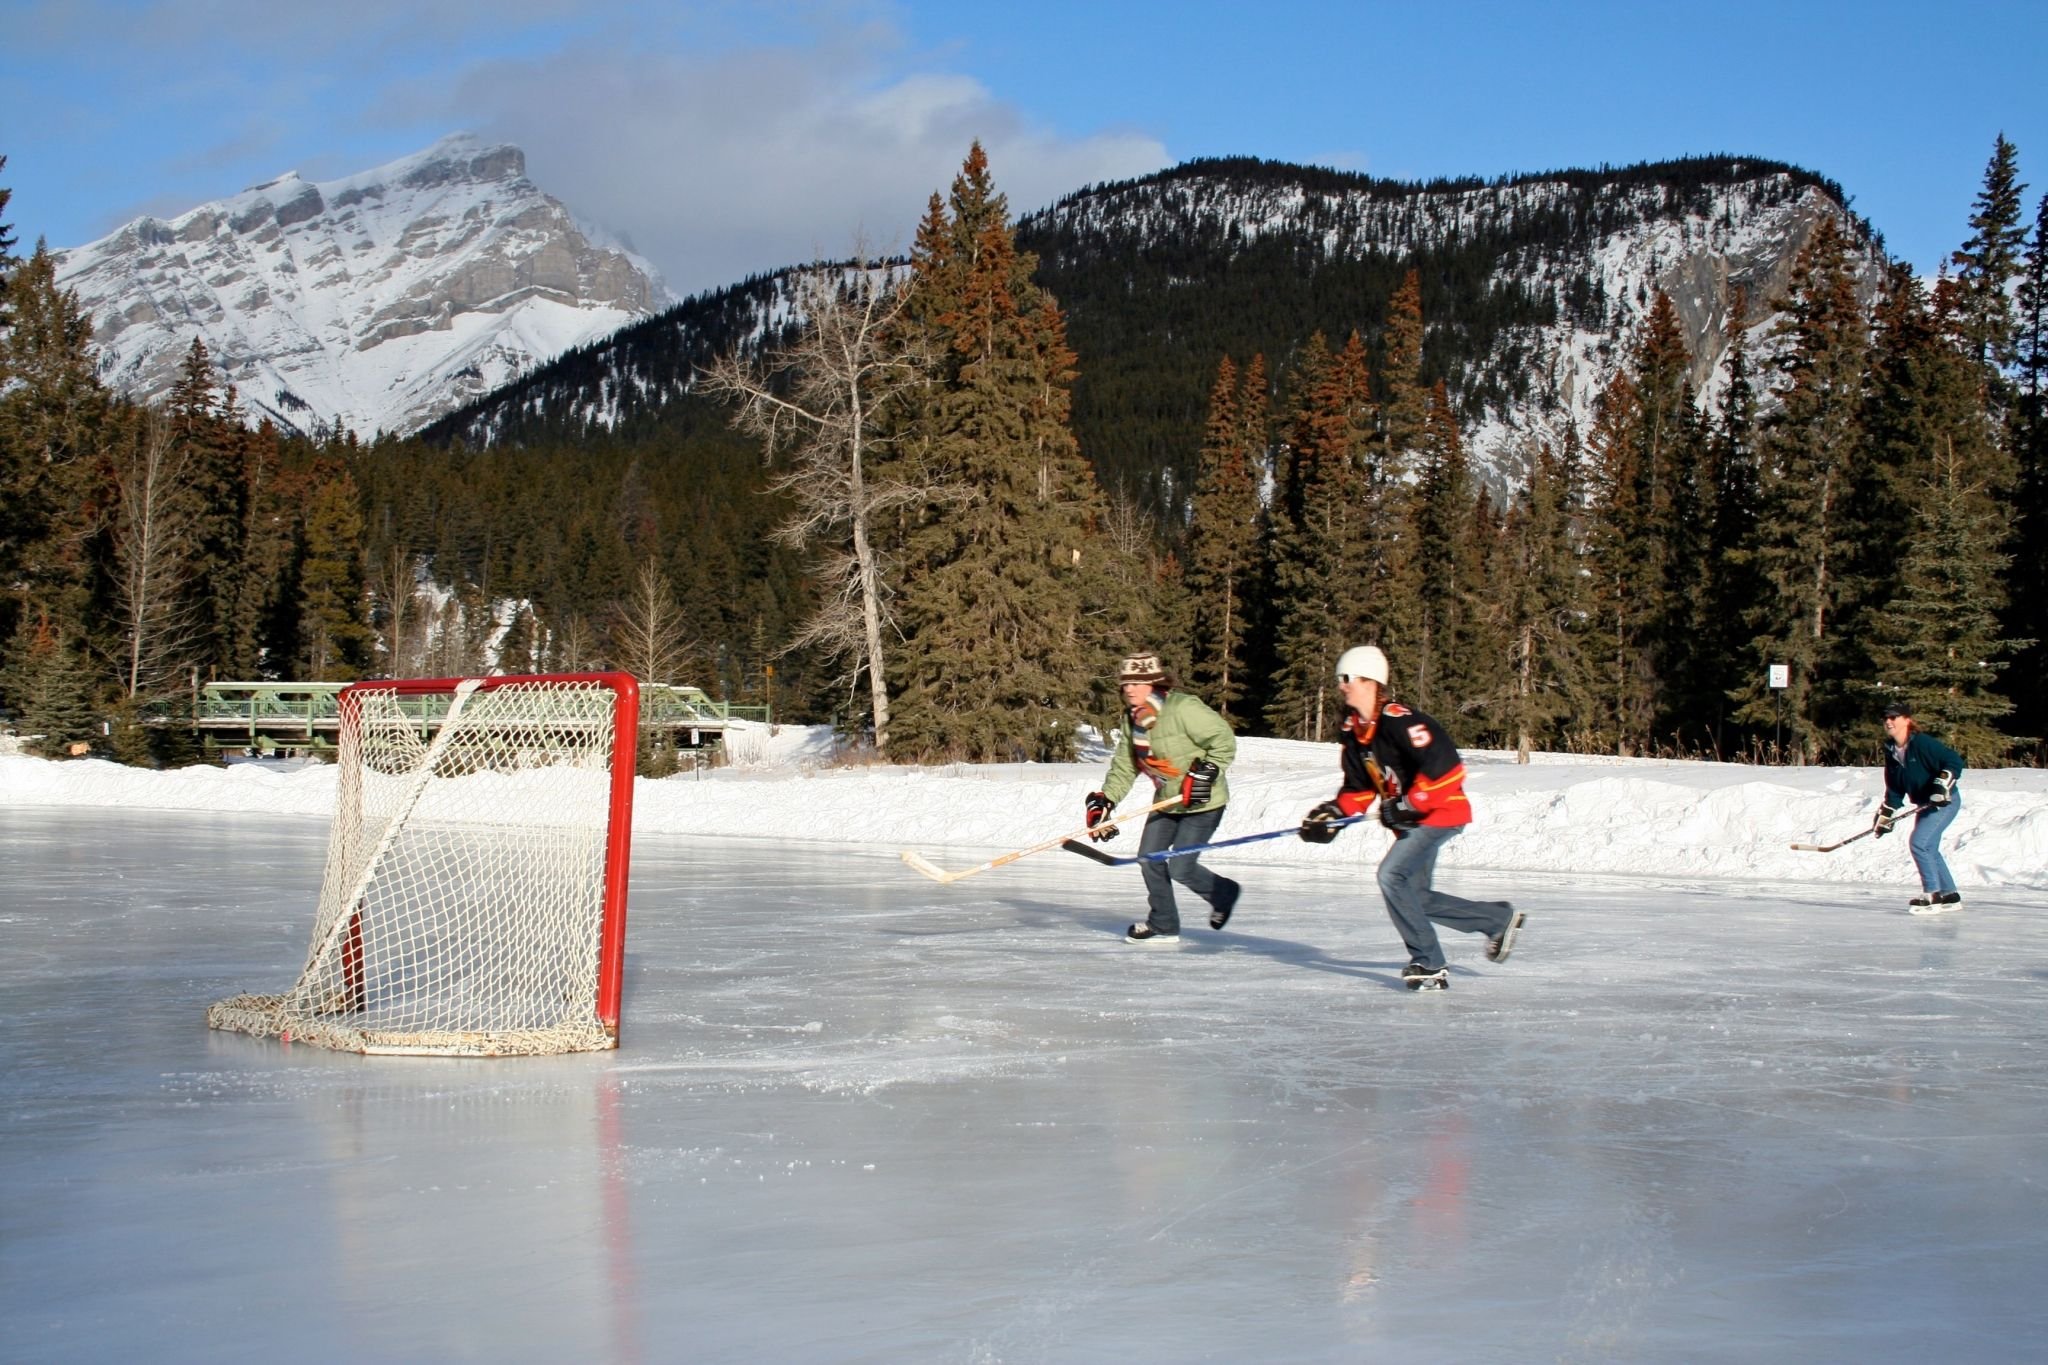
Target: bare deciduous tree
<point>820,404</point>
<point>646,632</point>
<point>153,524</point>
<point>571,649</point>
<point>399,610</point>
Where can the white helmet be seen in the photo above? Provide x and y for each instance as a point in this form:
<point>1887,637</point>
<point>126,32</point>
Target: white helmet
<point>1363,661</point>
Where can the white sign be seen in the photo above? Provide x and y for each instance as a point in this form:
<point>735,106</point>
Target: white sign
<point>1781,675</point>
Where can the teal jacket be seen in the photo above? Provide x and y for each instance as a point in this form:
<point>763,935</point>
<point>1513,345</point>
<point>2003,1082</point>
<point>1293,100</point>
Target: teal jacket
<point>1185,731</point>
<point>1910,772</point>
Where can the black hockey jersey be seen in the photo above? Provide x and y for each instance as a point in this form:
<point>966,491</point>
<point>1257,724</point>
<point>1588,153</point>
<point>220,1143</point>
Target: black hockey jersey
<point>1403,753</point>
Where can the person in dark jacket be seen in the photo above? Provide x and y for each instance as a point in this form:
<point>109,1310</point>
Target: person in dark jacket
<point>1172,737</point>
<point>1405,761</point>
<point>1921,769</point>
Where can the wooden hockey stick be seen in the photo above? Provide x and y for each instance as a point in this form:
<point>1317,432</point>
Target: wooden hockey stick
<point>1830,848</point>
<point>919,863</point>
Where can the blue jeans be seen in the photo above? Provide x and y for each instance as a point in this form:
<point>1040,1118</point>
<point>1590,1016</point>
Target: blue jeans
<point>1164,830</point>
<point>1405,876</point>
<point>1926,844</point>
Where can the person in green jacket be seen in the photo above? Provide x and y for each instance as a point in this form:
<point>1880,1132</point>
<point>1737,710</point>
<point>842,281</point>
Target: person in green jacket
<point>1921,769</point>
<point>1173,738</point>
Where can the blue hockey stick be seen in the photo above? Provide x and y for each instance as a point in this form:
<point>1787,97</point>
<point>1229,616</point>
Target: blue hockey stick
<point>1111,860</point>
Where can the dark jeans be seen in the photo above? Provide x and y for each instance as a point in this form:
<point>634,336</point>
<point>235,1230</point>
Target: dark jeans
<point>1164,830</point>
<point>1405,876</point>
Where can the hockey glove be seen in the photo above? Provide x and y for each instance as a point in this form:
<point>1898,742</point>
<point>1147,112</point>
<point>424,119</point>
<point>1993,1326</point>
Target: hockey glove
<point>1319,825</point>
<point>1396,814</point>
<point>1198,784</point>
<point>1099,807</point>
<point>1881,824</point>
<point>1944,789</point>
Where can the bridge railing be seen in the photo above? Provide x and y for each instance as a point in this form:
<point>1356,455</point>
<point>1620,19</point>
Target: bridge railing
<point>308,714</point>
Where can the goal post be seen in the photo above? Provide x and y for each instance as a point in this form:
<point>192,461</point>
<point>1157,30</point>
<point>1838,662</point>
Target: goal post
<point>474,896</point>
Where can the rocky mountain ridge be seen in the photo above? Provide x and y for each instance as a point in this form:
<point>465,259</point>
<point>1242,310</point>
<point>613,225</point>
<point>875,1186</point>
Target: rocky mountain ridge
<point>375,302</point>
<point>1533,288</point>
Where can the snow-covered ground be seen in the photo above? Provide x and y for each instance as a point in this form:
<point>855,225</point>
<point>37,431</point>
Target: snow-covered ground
<point>1703,1115</point>
<point>1556,814</point>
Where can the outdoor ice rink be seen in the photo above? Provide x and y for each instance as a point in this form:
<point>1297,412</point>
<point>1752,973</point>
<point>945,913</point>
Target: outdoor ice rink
<point>859,1116</point>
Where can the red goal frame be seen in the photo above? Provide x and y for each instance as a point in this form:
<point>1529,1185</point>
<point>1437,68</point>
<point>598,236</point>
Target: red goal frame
<point>619,818</point>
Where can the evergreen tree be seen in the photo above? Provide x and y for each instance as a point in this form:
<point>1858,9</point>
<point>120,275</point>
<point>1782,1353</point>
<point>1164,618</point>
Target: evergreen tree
<point>1441,663</point>
<point>336,638</point>
<point>1404,398</point>
<point>1733,585</point>
<point>1223,542</point>
<point>49,690</point>
<point>1938,643</point>
<point>53,419</point>
<point>1534,588</point>
<point>1008,581</point>
<point>1316,532</point>
<point>1482,678</point>
<point>1620,692</point>
<point>6,245</point>
<point>1676,464</point>
<point>1988,262</point>
<point>2027,681</point>
<point>1812,446</point>
<point>261,579</point>
<point>203,421</point>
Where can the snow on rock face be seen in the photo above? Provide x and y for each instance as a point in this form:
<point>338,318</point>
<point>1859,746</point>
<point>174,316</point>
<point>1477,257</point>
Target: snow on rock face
<point>378,301</point>
<point>1699,245</point>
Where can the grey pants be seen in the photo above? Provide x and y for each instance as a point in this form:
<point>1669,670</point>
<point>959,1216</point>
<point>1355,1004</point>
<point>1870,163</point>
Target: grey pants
<point>1405,875</point>
<point>1164,830</point>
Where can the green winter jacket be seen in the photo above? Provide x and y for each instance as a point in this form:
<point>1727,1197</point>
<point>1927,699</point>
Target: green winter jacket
<point>1185,731</point>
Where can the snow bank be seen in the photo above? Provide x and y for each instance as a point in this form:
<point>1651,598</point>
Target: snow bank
<point>1560,814</point>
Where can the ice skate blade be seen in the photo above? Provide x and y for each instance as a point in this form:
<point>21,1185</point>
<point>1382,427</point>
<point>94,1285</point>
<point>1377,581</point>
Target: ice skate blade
<point>1933,909</point>
<point>1498,950</point>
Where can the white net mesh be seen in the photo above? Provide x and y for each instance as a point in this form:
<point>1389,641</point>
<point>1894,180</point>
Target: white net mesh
<point>463,902</point>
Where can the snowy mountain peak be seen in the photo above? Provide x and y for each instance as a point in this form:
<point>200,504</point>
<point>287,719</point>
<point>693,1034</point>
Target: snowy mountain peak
<point>377,301</point>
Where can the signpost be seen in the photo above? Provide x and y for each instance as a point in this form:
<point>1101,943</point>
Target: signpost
<point>1780,678</point>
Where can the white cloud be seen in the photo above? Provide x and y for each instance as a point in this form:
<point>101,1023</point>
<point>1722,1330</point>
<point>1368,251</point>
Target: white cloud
<point>721,167</point>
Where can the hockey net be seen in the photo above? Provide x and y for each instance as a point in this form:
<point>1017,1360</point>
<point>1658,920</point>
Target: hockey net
<point>474,897</point>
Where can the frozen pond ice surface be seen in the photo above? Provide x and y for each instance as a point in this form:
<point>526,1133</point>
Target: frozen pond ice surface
<point>859,1116</point>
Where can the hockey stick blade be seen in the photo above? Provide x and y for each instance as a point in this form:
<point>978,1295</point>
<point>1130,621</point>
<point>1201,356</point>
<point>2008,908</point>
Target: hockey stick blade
<point>1107,860</point>
<point>917,862</point>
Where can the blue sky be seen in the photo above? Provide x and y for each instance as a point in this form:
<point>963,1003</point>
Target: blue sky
<point>725,138</point>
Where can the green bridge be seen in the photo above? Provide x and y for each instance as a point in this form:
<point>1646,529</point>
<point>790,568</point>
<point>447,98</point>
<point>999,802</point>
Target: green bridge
<point>272,717</point>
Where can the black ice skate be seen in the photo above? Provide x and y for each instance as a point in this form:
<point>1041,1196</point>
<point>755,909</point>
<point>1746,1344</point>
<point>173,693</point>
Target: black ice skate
<point>1145,933</point>
<point>1227,892</point>
<point>1934,902</point>
<point>1420,978</point>
<point>1501,944</point>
